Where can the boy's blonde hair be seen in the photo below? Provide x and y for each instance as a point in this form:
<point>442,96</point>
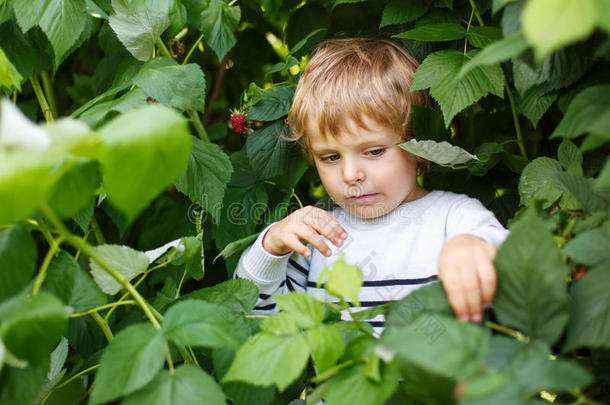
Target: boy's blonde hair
<point>348,78</point>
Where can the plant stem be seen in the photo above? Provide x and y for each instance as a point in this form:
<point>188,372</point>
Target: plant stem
<point>193,356</point>
<point>507,331</point>
<point>103,326</point>
<point>68,381</point>
<point>468,29</point>
<point>42,101</point>
<point>188,55</point>
<point>180,285</point>
<point>48,91</point>
<point>42,273</point>
<point>198,125</point>
<point>79,243</point>
<point>97,231</point>
<point>102,307</point>
<point>296,197</point>
<point>162,48</point>
<point>513,108</point>
<point>476,12</point>
<point>168,357</point>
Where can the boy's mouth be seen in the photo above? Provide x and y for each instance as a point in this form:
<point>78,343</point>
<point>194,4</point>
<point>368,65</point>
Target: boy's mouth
<point>364,197</point>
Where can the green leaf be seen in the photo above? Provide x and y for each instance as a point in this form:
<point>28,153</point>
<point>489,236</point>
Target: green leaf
<point>127,262</point>
<point>442,153</point>
<point>269,152</point>
<point>482,36</point>
<point>206,176</point>
<point>550,24</point>
<point>581,188</point>
<point>440,344</point>
<point>73,285</point>
<point>402,11</point>
<point>18,48</point>
<point>274,103</point>
<point>23,385</point>
<point>144,151</point>
<point>62,21</point>
<point>241,292</point>
<point>434,32</point>
<point>532,369</point>
<point>193,254</point>
<point>428,124</point>
<point>439,72</point>
<point>344,281</point>
<point>18,258</point>
<point>590,247</point>
<point>179,86</point>
<point>9,76</point>
<point>497,52</point>
<point>307,311</point>
<point>280,324</point>
<point>338,2</point>
<point>237,246</point>
<point>268,359</point>
<point>326,346</point>
<point>218,22</point>
<point>189,385</point>
<point>138,29</point>
<point>430,298</point>
<point>200,323</point>
<point>74,189</point>
<point>537,181</point>
<point>589,323</point>
<point>569,154</point>
<point>589,111</point>
<point>128,363</point>
<point>531,295</point>
<point>32,329</point>
<point>135,98</point>
<point>534,103</point>
<point>353,386</point>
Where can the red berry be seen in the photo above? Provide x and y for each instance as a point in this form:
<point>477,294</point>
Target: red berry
<point>238,122</point>
<point>580,274</point>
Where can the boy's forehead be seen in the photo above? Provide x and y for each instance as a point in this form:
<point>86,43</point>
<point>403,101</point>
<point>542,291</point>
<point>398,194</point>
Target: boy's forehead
<point>355,137</point>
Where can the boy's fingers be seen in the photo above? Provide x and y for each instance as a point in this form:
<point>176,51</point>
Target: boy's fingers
<point>326,225</point>
<point>310,235</point>
<point>488,281</point>
<point>293,242</point>
<point>453,289</point>
<point>472,294</point>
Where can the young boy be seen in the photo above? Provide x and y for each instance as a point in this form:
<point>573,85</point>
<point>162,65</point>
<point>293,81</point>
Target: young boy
<point>351,108</point>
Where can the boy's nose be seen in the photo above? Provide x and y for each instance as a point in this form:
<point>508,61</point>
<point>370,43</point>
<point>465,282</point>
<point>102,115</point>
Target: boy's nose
<point>352,172</point>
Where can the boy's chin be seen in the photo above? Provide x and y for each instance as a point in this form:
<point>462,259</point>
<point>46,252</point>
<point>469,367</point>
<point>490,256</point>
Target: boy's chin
<point>368,211</point>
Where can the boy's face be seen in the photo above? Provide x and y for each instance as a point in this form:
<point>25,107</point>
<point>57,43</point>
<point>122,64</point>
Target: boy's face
<point>364,171</point>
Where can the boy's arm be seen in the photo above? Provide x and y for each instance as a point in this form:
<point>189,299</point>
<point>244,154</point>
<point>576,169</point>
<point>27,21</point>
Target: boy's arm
<point>466,259</point>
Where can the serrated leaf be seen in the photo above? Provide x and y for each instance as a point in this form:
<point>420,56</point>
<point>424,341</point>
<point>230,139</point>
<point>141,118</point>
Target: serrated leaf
<point>353,386</point>
<point>274,103</point>
<point>440,344</point>
<point>326,346</point>
<point>218,21</point>
<point>133,99</point>
<point>144,151</point>
<point>569,154</point>
<point>442,153</point>
<point>18,258</point>
<point>402,11</point>
<point>62,21</point>
<point>535,103</point>
<point>551,24</point>
<point>482,36</point>
<point>581,188</point>
<point>537,181</point>
<point>531,295</point>
<point>33,328</point>
<point>9,76</point>
<point>434,32</point>
<point>128,363</point>
<point>138,29</point>
<point>127,262</point>
<point>589,111</point>
<point>179,86</point>
<point>590,247</point>
<point>200,323</point>
<point>430,298</point>
<point>205,179</point>
<point>589,323</point>
<point>269,152</point>
<point>268,359</point>
<point>241,292</point>
<point>73,285</point>
<point>188,385</point>
<point>497,52</point>
<point>439,72</point>
<point>306,310</point>
<point>344,281</point>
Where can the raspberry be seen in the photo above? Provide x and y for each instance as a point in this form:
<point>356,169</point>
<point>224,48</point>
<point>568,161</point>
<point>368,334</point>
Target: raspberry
<point>238,121</point>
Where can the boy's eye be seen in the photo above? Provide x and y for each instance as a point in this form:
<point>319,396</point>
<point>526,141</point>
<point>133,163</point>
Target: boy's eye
<point>375,152</point>
<point>330,158</point>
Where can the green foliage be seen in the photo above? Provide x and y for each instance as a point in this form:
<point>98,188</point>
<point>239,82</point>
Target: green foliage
<point>111,268</point>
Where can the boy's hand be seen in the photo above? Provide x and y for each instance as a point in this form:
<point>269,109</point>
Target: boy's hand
<point>306,224</point>
<point>465,268</point>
